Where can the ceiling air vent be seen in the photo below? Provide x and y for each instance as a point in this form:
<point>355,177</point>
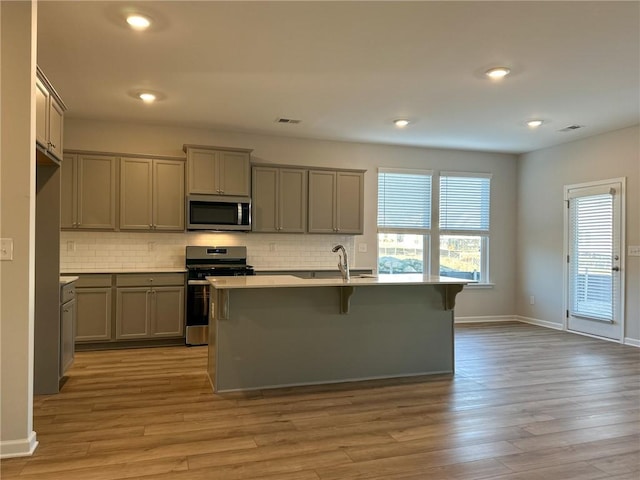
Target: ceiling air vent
<point>287,120</point>
<point>570,128</point>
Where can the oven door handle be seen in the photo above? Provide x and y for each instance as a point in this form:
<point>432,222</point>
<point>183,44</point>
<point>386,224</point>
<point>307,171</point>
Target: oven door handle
<point>198,282</point>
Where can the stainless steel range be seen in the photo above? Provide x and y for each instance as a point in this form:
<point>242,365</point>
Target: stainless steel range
<point>202,262</point>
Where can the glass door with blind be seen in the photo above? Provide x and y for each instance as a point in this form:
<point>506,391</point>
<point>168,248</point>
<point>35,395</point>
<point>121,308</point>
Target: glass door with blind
<point>595,233</point>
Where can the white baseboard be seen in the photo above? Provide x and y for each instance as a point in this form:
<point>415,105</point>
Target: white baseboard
<point>487,319</point>
<point>634,342</point>
<point>19,448</point>
<point>540,323</point>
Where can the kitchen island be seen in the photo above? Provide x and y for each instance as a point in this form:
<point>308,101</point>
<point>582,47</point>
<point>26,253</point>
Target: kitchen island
<point>276,331</point>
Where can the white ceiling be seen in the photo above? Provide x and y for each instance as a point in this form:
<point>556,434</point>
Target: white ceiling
<point>347,69</point>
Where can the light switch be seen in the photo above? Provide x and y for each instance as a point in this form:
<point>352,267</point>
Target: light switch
<point>634,250</point>
<point>6,248</point>
<point>362,247</point>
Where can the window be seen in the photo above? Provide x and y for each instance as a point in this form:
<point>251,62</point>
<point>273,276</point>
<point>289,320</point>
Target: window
<point>464,225</point>
<point>592,250</point>
<point>405,230</point>
<point>404,221</point>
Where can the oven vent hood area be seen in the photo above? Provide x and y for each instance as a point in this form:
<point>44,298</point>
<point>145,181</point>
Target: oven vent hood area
<point>218,213</point>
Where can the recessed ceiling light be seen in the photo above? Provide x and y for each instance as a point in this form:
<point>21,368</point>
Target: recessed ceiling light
<point>401,122</point>
<point>534,123</point>
<point>138,22</point>
<point>497,72</point>
<point>147,97</point>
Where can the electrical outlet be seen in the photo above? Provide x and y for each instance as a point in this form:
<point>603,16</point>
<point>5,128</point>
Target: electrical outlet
<point>152,246</point>
<point>532,300</point>
<point>71,246</point>
<point>362,247</point>
<point>634,250</point>
<point>6,248</point>
<point>272,247</point>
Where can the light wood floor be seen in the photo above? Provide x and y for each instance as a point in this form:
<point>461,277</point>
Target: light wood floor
<point>526,403</point>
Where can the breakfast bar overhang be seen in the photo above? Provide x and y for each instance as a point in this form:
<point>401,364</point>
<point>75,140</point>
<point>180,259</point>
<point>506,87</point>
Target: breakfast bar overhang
<point>280,331</point>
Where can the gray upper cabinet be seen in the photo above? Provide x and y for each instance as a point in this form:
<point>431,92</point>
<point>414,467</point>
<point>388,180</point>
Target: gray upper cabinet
<point>336,201</point>
<point>49,117</point>
<point>218,171</point>
<point>350,202</point>
<point>279,199</point>
<point>88,198</point>
<point>151,194</point>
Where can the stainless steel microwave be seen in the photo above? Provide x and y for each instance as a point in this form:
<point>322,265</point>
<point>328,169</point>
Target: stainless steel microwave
<point>213,212</point>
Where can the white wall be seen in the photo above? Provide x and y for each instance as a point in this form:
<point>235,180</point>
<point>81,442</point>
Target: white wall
<point>17,210</point>
<point>162,140</point>
<point>542,176</point>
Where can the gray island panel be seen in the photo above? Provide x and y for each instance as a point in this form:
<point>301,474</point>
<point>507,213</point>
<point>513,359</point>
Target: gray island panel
<point>284,336</point>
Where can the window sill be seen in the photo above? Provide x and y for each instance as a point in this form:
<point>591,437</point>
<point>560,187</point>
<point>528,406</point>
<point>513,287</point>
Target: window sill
<point>479,286</point>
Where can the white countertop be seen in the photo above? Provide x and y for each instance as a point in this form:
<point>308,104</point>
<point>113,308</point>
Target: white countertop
<point>306,269</point>
<point>66,279</point>
<point>126,270</point>
<point>290,281</point>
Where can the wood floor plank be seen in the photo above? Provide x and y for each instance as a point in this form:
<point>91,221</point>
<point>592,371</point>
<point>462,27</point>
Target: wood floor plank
<point>526,403</point>
<point>627,463</point>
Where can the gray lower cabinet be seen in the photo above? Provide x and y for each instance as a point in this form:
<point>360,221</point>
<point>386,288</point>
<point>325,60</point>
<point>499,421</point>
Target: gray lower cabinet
<point>67,335</point>
<point>336,201</point>
<point>279,199</point>
<point>93,310</point>
<point>149,306</point>
<point>119,308</point>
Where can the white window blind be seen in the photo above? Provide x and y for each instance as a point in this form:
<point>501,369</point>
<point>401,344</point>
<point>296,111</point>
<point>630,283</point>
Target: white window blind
<point>404,201</point>
<point>464,202</point>
<point>591,252</point>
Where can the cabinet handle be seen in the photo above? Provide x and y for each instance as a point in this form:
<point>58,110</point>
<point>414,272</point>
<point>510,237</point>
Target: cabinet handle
<point>53,145</point>
<point>65,310</point>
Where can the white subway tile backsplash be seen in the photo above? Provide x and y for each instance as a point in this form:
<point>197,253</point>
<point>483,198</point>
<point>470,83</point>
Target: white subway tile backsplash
<point>132,250</point>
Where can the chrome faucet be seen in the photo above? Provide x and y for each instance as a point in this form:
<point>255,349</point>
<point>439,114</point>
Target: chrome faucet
<point>343,264</point>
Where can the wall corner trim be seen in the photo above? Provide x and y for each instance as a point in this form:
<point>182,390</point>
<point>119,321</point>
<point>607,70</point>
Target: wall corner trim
<point>19,448</point>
